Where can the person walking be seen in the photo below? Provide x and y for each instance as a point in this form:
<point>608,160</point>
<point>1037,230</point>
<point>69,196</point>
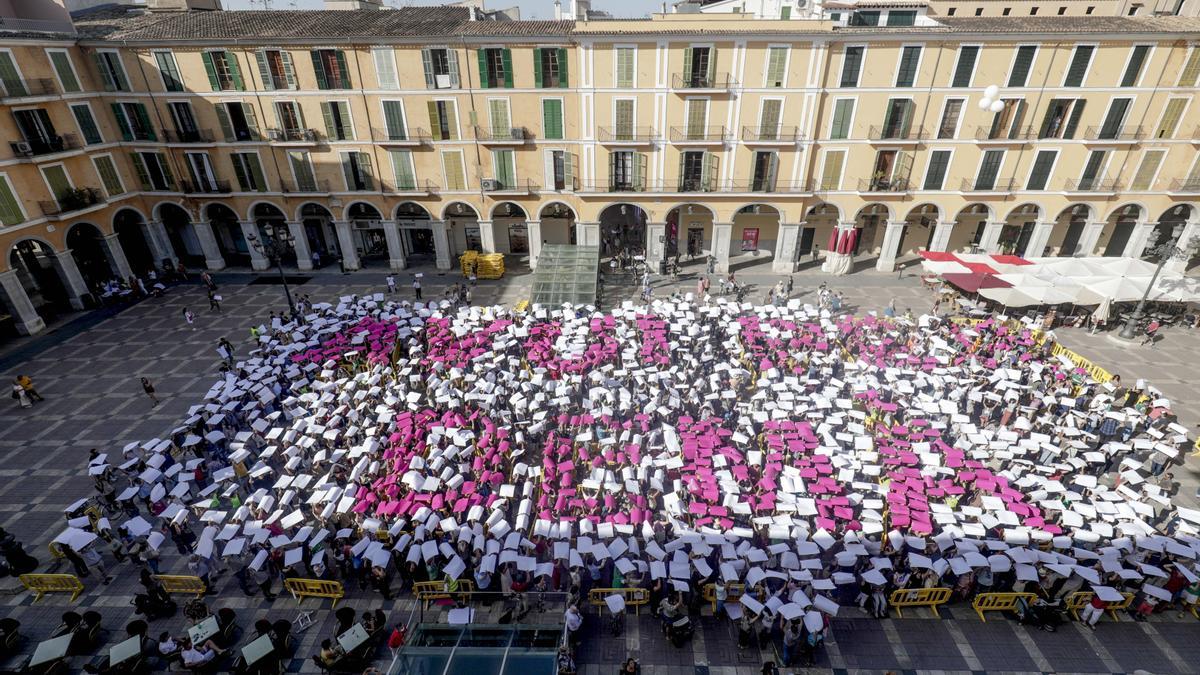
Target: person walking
<point>227,346</point>
<point>391,283</point>
<point>208,281</point>
<point>21,397</point>
<point>93,560</point>
<point>189,318</point>
<point>149,389</point>
<point>26,383</point>
<point>417,288</point>
<point>214,301</point>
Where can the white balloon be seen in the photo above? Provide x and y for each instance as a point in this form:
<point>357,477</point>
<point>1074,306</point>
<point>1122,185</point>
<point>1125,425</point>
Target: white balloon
<point>985,103</point>
<point>992,92</point>
<point>996,106</point>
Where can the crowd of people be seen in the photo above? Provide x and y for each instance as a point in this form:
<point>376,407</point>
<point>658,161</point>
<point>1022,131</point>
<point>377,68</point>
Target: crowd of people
<point>818,460</point>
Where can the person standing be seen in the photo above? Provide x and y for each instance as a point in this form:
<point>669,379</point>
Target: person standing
<point>391,283</point>
<point>417,288</point>
<point>1151,333</point>
<point>21,397</point>
<point>189,318</point>
<point>214,301</point>
<point>227,347</point>
<point>149,389</point>
<point>26,383</point>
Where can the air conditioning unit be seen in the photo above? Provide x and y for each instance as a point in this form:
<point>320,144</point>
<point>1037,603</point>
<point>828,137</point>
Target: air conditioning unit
<point>442,81</point>
<point>517,133</point>
<point>23,148</point>
<point>490,185</point>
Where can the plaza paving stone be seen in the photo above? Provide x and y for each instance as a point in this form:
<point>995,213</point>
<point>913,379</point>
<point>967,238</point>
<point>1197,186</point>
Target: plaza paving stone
<point>88,369</point>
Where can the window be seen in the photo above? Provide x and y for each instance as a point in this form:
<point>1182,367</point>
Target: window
<point>699,67</point>
<point>1089,10</point>
<point>951,11</point>
<point>785,13</point>
<point>864,18</point>
<point>910,58</point>
<point>552,118</point>
<point>965,68</point>
<point>223,71</point>
<point>64,70</point>
<point>626,67</point>
<point>239,122</point>
<point>1006,11</point>
<point>385,67</point>
<point>1170,119</point>
<point>697,119</point>
<point>10,77</point>
<point>1062,11</point>
<point>1039,175</point>
<point>1133,69</point>
<point>302,171</point>
<point>948,128</point>
<point>766,170</point>
<point>1033,11</point>
<point>550,68</point>
<point>393,119</point>
<point>1077,71</point>
<point>698,171</point>
<point>168,70</point>
<point>402,170</point>
<point>204,179</point>
<point>1147,170</point>
<point>153,171</point>
<point>291,118</point>
<point>87,123</point>
<point>275,69</point>
<point>338,125</point>
<point>904,17</point>
<point>1007,122</point>
<point>831,169</point>
<point>624,113</point>
<point>978,11</point>
<point>769,117</point>
<point>248,170</point>
<point>504,167</point>
<point>108,63</point>
<point>499,121</point>
<point>561,169</point>
<point>185,122</point>
<point>1091,170</point>
<point>37,130</point>
<point>776,75</point>
<point>443,120</point>
<point>1062,118</point>
<point>897,121</point>
<point>891,172</point>
<point>59,183</point>
<point>133,121</point>
<point>329,65</point>
<point>988,170</point>
<point>935,173</point>
<point>1191,69</point>
<point>851,66</point>
<point>452,166</point>
<point>843,115</point>
<point>627,171</point>
<point>441,68</point>
<point>1114,119</point>
<point>495,68</point>
<point>1021,65</point>
<point>10,209</point>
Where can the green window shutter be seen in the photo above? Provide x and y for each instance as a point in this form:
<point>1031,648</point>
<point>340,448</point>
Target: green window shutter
<point>211,69</point>
<point>483,69</point>
<point>624,119</point>
<point>506,59</point>
<point>251,119</point>
<point>235,71</point>
<point>139,167</point>
<point>119,72</point>
<point>289,70</point>
<point>87,125</point>
<point>696,117</point>
<point>427,64</point>
<point>101,67</point>
<point>907,74</point>
<point>1077,72</point>
<point>1191,69</point>
<point>343,109</point>
<point>240,173</point>
<point>122,122</point>
<point>385,68</point>
<point>13,84</point>
<point>367,170</point>
<point>1073,123</point>
<point>1111,128</point>
<point>502,160</point>
<point>256,172</point>
<point>452,164</point>
<point>537,68</point>
<point>989,169</point>
<point>264,71</point>
<point>344,81</point>
<point>966,66</point>
<point>402,169</point>
<point>1134,69</point>
<point>10,208</point>
<point>226,125</point>
<point>66,75</point>
<point>831,170</point>
<point>498,116</point>
<point>435,120</point>
<point>327,115</point>
<point>625,61</point>
<point>319,69</point>
<point>1170,119</point>
<point>166,170</point>
<point>302,169</point>
<point>851,65</point>
<point>393,116</point>
<point>709,171</point>
<point>552,119</point>
<point>108,175</point>
<point>776,63</point>
<point>935,175</point>
<point>144,121</point>
<point>563,78</point>
<point>1144,178</point>
<point>452,59</point>
<point>1020,72</point>
<point>56,176</point>
<point>1092,169</point>
<point>842,112</point>
<point>1040,174</point>
<point>769,118</point>
<point>570,169</point>
<point>687,62</point>
<point>640,161</point>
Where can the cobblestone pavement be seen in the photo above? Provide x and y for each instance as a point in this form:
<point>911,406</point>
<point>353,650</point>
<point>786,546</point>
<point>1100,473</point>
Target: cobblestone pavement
<point>88,370</point>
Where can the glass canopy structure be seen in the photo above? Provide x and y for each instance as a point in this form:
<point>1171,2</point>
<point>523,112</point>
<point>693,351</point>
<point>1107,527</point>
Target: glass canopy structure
<point>566,274</point>
<point>480,649</point>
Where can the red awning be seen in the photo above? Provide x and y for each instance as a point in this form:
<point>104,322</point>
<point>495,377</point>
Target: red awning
<point>975,281</point>
<point>938,256</point>
<point>1011,260</point>
<point>980,268</point>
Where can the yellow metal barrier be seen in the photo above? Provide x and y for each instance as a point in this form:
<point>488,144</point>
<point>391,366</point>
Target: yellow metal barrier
<point>52,583</point>
<point>55,551</point>
<point>733,593</point>
<point>919,597</point>
<point>182,584</point>
<point>315,588</point>
<point>521,306</point>
<point>1080,599</point>
<point>998,602</point>
<point>1094,371</point>
<point>633,596</point>
<point>429,591</point>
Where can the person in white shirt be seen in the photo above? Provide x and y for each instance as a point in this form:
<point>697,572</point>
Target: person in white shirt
<point>198,655</point>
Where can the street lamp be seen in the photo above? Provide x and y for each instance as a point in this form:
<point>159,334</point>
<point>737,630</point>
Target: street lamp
<point>275,243</point>
<point>1165,251</point>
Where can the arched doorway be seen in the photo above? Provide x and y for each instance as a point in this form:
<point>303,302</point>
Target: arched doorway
<point>319,229</point>
<point>969,225</point>
<point>131,232</point>
<point>86,244</point>
<point>510,219</point>
<point>228,231</point>
<point>33,260</point>
<point>919,227</point>
<point>1068,229</point>
<point>269,219</point>
<point>755,229</point>
<point>689,233</point>
<point>178,223</point>
<point>558,223</point>
<point>416,234</point>
<point>366,231</point>
<point>1018,229</point>
<point>819,223</point>
<point>1165,227</point>
<point>462,223</point>
<point>1118,229</point>
<point>871,224</point>
<point>622,230</point>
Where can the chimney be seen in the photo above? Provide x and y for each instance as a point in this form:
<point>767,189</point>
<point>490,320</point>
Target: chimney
<point>183,5</point>
<point>557,10</point>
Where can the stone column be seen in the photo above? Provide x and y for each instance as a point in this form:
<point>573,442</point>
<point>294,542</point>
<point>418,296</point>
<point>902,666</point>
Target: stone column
<point>441,244</point>
<point>258,261</point>
<point>891,242</point>
<point>345,236</point>
<point>116,257</point>
<point>17,301</point>
<point>990,242</point>
<point>534,230</point>
<point>722,233</point>
<point>1039,239</point>
<point>941,236</point>
<point>1179,265</point>
<point>487,236</point>
<point>391,232</point>
<point>300,244</point>
<point>787,244</point>
<point>587,234</point>
<point>72,280</point>
<point>159,241</point>
<point>213,259</point>
<point>656,245</point>
<point>1138,240</point>
<point>1089,239</point>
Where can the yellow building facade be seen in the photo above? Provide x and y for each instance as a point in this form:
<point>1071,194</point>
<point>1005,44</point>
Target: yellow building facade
<point>404,138</point>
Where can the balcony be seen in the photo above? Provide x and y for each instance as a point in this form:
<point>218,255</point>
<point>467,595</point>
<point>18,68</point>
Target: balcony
<point>896,135</point>
<point>401,138</point>
<point>883,185</point>
<point>774,135</point>
<point>609,185</point>
<point>626,136</point>
<point>763,186</point>
<point>45,146</point>
<point>502,135</point>
<point>1091,185</point>
<point>29,88</point>
<point>519,187</point>
<point>72,200</point>
<point>215,187</point>
<point>1107,136</point>
<point>294,136</point>
<point>696,184</point>
<point>984,134</point>
<point>421,187</point>
<point>699,135</point>
<point>999,187</point>
<point>319,187</point>
<point>566,186</point>
<point>192,136</point>
<point>1184,186</point>
<point>692,83</point>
